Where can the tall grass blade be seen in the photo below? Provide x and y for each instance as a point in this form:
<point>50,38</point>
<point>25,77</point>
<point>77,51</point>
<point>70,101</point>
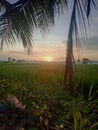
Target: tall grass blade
<point>90,92</point>
<point>94,125</point>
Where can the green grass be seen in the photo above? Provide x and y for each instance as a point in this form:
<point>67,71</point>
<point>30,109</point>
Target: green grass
<point>44,78</point>
<point>38,78</point>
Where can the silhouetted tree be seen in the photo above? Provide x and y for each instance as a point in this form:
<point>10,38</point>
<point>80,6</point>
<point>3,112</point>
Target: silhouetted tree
<point>9,59</point>
<point>13,60</point>
<point>85,60</point>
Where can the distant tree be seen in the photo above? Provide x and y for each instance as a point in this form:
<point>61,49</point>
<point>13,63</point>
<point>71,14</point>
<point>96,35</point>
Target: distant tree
<point>85,60</point>
<point>13,60</point>
<point>23,60</point>
<point>9,59</point>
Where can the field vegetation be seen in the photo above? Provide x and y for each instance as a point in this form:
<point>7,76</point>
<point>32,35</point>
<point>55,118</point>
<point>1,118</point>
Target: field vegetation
<point>40,87</point>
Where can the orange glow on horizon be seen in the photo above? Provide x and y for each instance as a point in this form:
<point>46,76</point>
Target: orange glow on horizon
<point>48,58</point>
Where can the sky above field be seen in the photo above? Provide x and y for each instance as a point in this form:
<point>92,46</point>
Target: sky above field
<point>52,45</point>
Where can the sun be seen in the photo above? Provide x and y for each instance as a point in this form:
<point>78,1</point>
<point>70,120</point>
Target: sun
<point>48,58</point>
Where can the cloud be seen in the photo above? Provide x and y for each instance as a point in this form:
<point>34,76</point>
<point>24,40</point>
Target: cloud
<point>60,58</point>
<point>15,52</point>
<point>58,51</point>
<point>95,19</point>
<point>90,44</point>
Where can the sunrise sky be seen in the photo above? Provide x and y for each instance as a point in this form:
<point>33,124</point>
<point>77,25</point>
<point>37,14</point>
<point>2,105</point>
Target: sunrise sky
<point>53,44</point>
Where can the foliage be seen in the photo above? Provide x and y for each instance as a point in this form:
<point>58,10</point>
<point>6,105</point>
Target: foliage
<point>19,20</point>
<point>52,113</point>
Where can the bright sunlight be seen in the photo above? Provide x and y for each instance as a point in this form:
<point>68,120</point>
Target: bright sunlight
<point>48,58</point>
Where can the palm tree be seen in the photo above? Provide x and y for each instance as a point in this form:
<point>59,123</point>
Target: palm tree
<point>80,11</point>
<point>18,21</point>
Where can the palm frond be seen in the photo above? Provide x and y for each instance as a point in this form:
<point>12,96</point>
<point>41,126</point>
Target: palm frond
<point>24,16</point>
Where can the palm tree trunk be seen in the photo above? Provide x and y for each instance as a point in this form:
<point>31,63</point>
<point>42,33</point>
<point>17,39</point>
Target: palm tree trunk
<point>68,77</point>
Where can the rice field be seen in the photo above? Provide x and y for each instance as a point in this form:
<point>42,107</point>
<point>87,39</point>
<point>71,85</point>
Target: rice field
<point>44,78</point>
